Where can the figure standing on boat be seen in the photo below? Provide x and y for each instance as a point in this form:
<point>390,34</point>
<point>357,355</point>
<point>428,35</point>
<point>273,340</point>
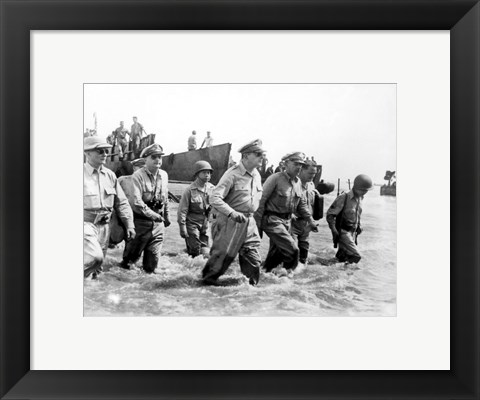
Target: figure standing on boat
<point>136,132</point>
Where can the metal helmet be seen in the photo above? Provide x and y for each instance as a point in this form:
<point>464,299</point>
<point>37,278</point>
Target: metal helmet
<point>202,166</point>
<point>363,182</point>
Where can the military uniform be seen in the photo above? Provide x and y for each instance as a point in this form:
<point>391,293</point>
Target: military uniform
<point>300,228</point>
<point>238,191</point>
<point>193,216</point>
<point>149,203</point>
<point>192,142</point>
<point>101,194</point>
<point>282,196</point>
<point>122,141</point>
<point>350,206</point>
<point>136,133</point>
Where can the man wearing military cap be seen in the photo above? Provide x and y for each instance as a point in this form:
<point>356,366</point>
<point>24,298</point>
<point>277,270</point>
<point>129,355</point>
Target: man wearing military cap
<point>101,194</point>
<point>149,202</point>
<point>235,199</point>
<point>282,196</point>
<point>194,209</point>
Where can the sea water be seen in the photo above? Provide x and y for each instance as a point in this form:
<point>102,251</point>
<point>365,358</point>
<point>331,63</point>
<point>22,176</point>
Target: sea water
<point>314,290</point>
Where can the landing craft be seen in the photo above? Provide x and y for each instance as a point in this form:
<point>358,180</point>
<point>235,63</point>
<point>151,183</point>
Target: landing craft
<point>179,166</point>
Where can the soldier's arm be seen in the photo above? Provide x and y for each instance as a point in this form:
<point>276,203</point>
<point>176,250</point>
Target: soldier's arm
<point>268,188</point>
<point>220,192</point>
<point>122,207</point>
<point>183,207</point>
<point>333,211</point>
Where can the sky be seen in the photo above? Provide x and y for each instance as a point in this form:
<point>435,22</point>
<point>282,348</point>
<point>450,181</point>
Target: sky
<point>348,128</point>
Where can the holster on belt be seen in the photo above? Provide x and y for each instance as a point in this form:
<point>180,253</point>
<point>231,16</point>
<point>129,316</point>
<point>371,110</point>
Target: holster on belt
<point>100,217</point>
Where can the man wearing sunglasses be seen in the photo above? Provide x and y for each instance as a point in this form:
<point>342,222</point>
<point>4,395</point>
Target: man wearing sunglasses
<point>235,199</point>
<point>149,202</point>
<point>101,194</point>
<point>283,196</point>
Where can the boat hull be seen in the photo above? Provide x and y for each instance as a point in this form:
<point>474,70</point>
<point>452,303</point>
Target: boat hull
<point>181,166</point>
<point>388,190</point>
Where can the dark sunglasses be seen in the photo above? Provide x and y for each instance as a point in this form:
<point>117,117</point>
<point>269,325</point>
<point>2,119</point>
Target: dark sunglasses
<point>155,156</point>
<point>102,151</point>
<point>259,153</point>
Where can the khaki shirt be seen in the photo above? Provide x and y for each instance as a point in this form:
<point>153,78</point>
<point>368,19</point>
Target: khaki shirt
<point>352,213</point>
<point>101,191</point>
<point>284,196</point>
<point>308,190</point>
<point>238,190</point>
<point>137,129</point>
<point>148,187</point>
<point>121,133</point>
<point>194,202</point>
<point>192,142</point>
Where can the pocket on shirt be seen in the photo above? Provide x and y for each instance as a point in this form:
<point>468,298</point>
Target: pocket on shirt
<point>242,187</point>
<point>110,194</point>
<point>282,199</point>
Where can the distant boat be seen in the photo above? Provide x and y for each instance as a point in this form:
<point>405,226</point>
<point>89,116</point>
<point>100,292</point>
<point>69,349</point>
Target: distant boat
<point>390,189</point>
<point>179,166</point>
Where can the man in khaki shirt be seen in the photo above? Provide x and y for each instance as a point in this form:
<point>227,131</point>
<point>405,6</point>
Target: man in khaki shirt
<point>101,194</point>
<point>283,196</point>
<point>235,199</point>
<point>149,202</point>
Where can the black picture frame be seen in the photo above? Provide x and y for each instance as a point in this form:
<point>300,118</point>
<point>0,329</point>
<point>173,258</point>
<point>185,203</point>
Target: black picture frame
<point>18,18</point>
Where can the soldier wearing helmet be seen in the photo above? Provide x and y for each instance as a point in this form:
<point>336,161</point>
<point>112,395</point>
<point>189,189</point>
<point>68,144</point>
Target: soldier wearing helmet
<point>194,208</point>
<point>343,218</point>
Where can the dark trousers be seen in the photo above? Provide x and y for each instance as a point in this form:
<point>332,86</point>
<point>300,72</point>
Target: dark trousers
<point>149,240</point>
<point>283,247</point>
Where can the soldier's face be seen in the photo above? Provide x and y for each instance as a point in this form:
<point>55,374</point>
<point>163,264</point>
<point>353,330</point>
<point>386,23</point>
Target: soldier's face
<point>360,192</point>
<point>204,176</point>
<point>97,157</point>
<point>307,175</point>
<point>153,162</point>
<point>293,168</point>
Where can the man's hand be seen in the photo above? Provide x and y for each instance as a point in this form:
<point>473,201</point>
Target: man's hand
<point>183,232</point>
<point>335,235</point>
<point>313,227</point>
<point>238,217</point>
<point>130,234</point>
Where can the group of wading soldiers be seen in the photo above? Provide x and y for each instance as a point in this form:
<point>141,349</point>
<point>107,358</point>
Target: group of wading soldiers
<point>237,212</point>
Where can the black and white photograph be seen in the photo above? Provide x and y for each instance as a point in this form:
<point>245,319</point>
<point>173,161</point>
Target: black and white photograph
<point>259,200</point>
